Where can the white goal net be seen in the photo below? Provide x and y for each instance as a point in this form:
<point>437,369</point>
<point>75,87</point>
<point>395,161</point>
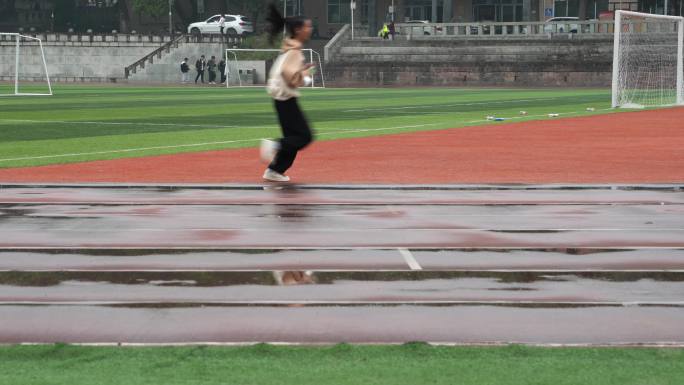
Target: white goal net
<point>647,60</point>
<point>250,67</point>
<point>23,69</point>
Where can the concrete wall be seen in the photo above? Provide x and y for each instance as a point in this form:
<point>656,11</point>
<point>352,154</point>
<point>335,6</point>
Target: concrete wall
<point>74,58</point>
<point>101,58</point>
<point>525,62</point>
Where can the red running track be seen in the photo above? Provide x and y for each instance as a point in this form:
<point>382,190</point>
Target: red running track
<point>629,147</point>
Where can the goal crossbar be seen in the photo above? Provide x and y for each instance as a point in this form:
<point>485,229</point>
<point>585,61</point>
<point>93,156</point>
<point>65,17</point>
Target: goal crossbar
<point>18,38</point>
<point>619,15</point>
<point>234,53</point>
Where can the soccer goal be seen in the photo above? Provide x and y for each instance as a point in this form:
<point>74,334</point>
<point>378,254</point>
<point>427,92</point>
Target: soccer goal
<point>648,69</point>
<point>23,69</point>
<point>250,67</point>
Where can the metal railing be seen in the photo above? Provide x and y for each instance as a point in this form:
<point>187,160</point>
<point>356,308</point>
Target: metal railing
<point>48,37</point>
<point>486,29</point>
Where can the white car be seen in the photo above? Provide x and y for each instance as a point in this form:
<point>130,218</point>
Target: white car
<point>418,26</point>
<point>562,24</point>
<point>234,25</point>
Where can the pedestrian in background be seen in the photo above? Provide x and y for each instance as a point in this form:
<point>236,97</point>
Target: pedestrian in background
<point>184,68</point>
<point>222,70</point>
<point>211,65</point>
<point>200,66</point>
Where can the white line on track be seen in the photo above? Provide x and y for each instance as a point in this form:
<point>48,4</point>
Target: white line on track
<point>410,261</point>
<point>337,229</point>
<point>360,302</point>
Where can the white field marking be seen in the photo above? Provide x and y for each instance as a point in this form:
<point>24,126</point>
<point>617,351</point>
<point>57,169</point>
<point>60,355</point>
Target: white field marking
<point>451,105</point>
<point>129,150</point>
<point>115,123</point>
<point>344,131</point>
<point>410,261</point>
<point>256,140</point>
<point>196,144</point>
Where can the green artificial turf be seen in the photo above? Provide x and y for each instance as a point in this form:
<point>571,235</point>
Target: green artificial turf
<point>82,123</point>
<point>411,364</point>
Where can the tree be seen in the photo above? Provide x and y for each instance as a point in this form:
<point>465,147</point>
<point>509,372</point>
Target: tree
<point>255,9</point>
<point>153,8</point>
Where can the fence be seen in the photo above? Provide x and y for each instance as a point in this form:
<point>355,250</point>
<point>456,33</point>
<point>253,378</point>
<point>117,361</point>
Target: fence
<point>430,30</point>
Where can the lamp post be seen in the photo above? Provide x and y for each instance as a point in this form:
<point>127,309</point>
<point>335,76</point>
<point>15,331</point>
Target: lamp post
<point>352,6</point>
<point>171,17</point>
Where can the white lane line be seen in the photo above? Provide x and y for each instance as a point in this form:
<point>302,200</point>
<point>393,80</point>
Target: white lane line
<point>14,247</point>
<point>345,302</point>
<point>319,229</point>
<point>451,105</point>
<point>115,123</point>
<point>410,261</point>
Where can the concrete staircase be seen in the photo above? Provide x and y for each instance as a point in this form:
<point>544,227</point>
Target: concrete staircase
<point>163,65</point>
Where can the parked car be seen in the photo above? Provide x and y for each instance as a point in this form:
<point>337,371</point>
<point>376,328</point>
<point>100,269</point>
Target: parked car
<point>234,25</point>
<point>562,24</point>
<point>419,26</point>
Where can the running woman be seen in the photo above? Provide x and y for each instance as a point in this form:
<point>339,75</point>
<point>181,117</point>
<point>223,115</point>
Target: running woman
<point>288,73</point>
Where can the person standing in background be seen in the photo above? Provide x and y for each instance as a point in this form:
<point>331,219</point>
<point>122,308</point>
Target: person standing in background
<point>222,25</point>
<point>222,70</point>
<point>200,66</point>
<point>184,68</point>
<point>212,70</point>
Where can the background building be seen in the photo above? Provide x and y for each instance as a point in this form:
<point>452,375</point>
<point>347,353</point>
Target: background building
<point>328,15</point>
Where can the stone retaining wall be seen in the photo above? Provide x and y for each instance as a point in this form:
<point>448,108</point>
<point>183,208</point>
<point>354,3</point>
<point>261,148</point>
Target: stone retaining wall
<point>480,62</point>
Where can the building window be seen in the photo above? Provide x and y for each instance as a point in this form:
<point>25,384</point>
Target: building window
<point>293,7</point>
<point>339,12</point>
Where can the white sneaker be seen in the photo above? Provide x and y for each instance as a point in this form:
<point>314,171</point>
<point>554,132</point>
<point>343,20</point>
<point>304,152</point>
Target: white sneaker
<point>268,150</point>
<point>274,176</point>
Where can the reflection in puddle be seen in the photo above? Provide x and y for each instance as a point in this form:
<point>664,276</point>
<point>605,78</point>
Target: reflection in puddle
<point>286,278</point>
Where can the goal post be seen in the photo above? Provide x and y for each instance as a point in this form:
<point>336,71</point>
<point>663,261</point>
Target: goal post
<point>250,67</point>
<point>648,60</point>
<point>23,66</point>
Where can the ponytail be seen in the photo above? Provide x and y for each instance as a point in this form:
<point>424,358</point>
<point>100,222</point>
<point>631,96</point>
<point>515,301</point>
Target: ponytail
<point>276,23</point>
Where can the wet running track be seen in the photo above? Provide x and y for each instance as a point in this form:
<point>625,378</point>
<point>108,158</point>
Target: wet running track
<point>595,265</point>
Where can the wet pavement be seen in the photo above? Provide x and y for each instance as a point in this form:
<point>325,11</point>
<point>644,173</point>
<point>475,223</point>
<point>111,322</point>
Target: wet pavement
<point>450,264</point>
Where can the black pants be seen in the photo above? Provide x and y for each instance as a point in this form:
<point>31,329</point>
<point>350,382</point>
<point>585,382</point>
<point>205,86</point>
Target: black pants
<point>212,76</point>
<point>200,74</point>
<point>296,134</point>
